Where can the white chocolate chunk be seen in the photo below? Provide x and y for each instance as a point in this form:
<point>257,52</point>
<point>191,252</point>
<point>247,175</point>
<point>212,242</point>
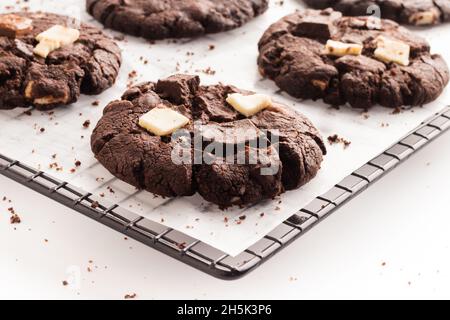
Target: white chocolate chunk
<point>162,121</point>
<point>249,105</point>
<point>44,48</point>
<point>389,50</point>
<point>60,34</point>
<point>425,18</point>
<point>54,38</point>
<point>340,49</point>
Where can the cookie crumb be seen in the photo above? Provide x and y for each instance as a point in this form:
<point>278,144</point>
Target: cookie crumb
<point>396,110</point>
<point>182,245</point>
<point>15,219</point>
<point>87,123</point>
<point>335,139</point>
<point>95,204</point>
<point>130,296</point>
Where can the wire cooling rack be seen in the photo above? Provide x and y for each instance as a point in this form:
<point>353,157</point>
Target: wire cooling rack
<point>202,256</point>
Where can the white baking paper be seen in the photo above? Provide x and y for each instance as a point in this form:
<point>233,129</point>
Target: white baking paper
<point>233,61</point>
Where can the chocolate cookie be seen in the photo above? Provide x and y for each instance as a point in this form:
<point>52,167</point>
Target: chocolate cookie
<point>155,19</point>
<point>357,60</point>
<point>289,148</point>
<point>70,58</point>
<point>414,12</point>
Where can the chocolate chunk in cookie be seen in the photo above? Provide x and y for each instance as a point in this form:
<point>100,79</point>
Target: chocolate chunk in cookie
<point>47,60</point>
<point>155,19</point>
<point>227,157</point>
<point>414,12</point>
<point>365,61</point>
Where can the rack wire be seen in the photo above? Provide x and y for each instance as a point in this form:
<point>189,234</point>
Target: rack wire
<point>202,256</point>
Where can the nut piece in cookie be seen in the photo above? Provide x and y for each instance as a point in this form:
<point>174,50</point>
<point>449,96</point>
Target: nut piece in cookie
<point>340,49</point>
<point>389,50</point>
<point>54,38</point>
<point>249,105</point>
<point>162,121</point>
<point>12,25</point>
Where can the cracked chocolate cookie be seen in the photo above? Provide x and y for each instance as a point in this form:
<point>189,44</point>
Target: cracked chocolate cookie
<point>177,137</point>
<point>362,61</point>
<point>413,12</point>
<point>155,19</point>
<point>47,60</point>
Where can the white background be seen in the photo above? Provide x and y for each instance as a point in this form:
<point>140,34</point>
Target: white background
<point>402,221</point>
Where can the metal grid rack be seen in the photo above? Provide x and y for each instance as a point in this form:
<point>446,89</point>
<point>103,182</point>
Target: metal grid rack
<point>202,256</point>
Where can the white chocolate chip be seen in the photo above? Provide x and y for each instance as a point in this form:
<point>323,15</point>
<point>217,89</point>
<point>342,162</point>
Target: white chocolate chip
<point>44,48</point>
<point>249,105</point>
<point>162,121</point>
<point>425,18</point>
<point>54,38</point>
<point>340,49</point>
<point>389,50</point>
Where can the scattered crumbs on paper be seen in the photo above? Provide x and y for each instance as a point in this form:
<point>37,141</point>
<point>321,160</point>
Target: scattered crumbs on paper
<point>335,139</point>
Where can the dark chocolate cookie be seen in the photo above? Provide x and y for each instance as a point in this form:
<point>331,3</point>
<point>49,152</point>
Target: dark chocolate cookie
<point>291,157</point>
<point>89,65</point>
<point>414,12</point>
<point>156,19</point>
<point>293,54</point>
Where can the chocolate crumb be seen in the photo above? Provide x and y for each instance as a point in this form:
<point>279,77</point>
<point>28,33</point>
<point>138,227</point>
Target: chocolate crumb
<point>95,204</point>
<point>181,246</point>
<point>130,296</point>
<point>396,111</point>
<point>87,123</point>
<point>15,219</point>
<point>334,139</point>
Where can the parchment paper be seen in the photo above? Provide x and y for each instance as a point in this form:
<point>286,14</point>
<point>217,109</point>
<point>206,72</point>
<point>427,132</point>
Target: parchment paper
<point>233,61</point>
